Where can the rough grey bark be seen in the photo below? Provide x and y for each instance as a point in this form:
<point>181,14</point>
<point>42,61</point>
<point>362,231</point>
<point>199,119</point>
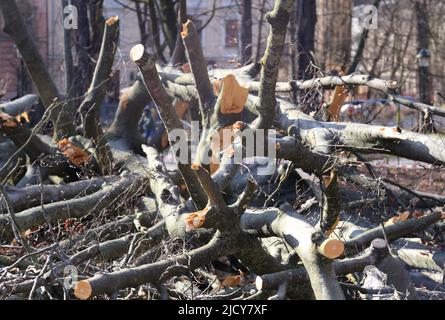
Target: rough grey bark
<point>278,19</point>
<point>90,107</point>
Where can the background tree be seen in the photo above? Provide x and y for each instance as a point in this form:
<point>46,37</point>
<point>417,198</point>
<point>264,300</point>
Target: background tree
<point>246,32</point>
<point>333,34</point>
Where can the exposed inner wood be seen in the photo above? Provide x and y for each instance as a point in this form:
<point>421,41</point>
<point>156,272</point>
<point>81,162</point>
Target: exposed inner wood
<point>83,290</point>
<point>233,96</point>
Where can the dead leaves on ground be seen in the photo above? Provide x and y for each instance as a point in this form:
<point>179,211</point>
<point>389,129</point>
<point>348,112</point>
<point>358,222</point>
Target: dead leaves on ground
<point>234,281</point>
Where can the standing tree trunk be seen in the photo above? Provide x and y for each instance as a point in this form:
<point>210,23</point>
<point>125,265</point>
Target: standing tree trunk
<point>89,35</point>
<point>142,15</point>
<point>246,32</point>
<point>306,16</point>
<point>260,31</point>
<point>178,56</point>
<point>69,66</point>
<point>156,33</point>
<point>169,27</point>
<point>333,33</point>
<point>423,42</point>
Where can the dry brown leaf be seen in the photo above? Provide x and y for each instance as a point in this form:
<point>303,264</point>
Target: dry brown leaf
<point>232,281</point>
<point>75,154</point>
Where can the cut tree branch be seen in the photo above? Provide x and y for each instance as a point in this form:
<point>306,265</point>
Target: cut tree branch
<point>90,107</point>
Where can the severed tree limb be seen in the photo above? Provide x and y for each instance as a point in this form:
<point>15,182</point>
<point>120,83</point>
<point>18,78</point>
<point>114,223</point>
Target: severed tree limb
<point>378,256</point>
<point>17,107</point>
<point>215,198</point>
<point>164,104</point>
<point>166,193</point>
<point>222,244</point>
<point>412,252</point>
<point>178,55</point>
<point>37,195</point>
<point>326,137</point>
<point>107,250</point>
<point>278,19</point>
<point>15,26</point>
<point>123,133</point>
<point>106,231</point>
<point>246,197</point>
<point>398,277</point>
<point>385,86</point>
<point>76,208</point>
<point>392,232</point>
<point>303,238</point>
<point>426,198</point>
<point>38,150</point>
<point>198,65</point>
<point>377,252</point>
<point>7,261</point>
<point>419,256</point>
<point>215,114</point>
<point>329,217</point>
<point>150,273</point>
<point>90,107</point>
<point>24,138</point>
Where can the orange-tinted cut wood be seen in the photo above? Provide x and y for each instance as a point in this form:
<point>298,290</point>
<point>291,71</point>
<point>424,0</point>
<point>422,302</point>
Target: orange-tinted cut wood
<point>331,248</point>
<point>83,290</point>
<point>233,95</point>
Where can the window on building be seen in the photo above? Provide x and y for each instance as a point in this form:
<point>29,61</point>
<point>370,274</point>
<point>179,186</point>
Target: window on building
<point>232,33</point>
